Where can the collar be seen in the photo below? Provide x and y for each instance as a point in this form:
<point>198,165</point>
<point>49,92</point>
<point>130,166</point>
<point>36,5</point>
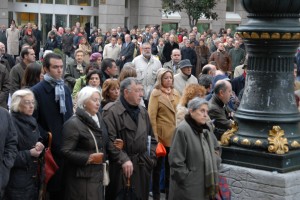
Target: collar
<point>185,77</point>
<point>218,101</point>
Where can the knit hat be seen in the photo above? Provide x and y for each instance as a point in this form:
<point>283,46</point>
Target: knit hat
<point>95,56</point>
<point>185,63</point>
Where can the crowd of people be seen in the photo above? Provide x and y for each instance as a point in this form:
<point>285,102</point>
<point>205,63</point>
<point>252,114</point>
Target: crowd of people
<point>113,97</point>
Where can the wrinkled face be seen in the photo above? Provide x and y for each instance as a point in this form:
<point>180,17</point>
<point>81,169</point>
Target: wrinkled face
<point>226,94</point>
<point>167,80</point>
<point>113,40</point>
<point>94,80</point>
<point>2,48</point>
<point>200,115</point>
<point>56,68</point>
<point>27,105</point>
<point>221,47</point>
<point>187,70</point>
<point>176,56</point>
<point>191,36</point>
<point>79,57</point>
<point>114,93</point>
<point>92,104</point>
<point>146,50</point>
<point>134,94</point>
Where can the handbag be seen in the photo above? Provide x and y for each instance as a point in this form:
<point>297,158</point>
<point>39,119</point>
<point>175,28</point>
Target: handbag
<point>224,191</point>
<point>160,150</point>
<point>106,179</point>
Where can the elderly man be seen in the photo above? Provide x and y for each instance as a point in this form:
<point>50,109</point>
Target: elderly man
<point>222,59</point>
<point>174,63</point>
<point>127,120</point>
<point>184,77</point>
<point>127,51</point>
<point>112,50</point>
<point>218,110</point>
<point>75,69</point>
<point>8,148</point>
<point>54,108</point>
<point>146,66</point>
<point>6,59</point>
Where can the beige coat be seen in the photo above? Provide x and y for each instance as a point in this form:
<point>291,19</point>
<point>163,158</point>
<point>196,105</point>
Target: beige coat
<point>162,114</point>
<point>13,41</point>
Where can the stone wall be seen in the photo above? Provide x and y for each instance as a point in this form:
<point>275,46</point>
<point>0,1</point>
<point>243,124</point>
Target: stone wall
<point>253,184</point>
<point>4,12</point>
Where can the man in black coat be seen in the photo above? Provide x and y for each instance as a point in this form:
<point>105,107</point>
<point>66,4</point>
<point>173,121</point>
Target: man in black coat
<point>54,108</point>
<point>8,148</point>
<point>168,48</point>
<point>6,59</point>
<point>3,38</point>
<point>67,42</point>
<point>188,53</point>
<point>38,35</point>
<point>126,54</point>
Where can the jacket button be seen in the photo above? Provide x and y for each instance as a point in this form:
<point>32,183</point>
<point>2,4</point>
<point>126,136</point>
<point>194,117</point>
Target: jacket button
<point>33,177</point>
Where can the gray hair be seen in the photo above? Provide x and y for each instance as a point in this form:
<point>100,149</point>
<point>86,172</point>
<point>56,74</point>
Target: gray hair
<point>129,64</point>
<point>196,102</point>
<point>17,98</point>
<point>126,84</point>
<point>84,94</point>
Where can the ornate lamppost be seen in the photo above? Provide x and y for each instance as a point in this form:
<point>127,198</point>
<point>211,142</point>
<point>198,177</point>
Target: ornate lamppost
<point>267,133</point>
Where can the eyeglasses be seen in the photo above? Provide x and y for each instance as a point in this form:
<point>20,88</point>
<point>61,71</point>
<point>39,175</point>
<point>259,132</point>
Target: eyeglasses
<point>28,102</point>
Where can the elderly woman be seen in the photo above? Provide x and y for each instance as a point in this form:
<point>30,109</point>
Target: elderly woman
<point>96,58</point>
<point>23,181</point>
<point>194,156</point>
<point>162,111</point>
<point>190,91</point>
<point>110,91</point>
<point>84,148</point>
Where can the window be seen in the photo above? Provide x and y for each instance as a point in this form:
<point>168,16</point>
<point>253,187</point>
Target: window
<point>61,21</point>
<point>28,1</point>
<point>202,27</point>
<point>96,3</point>
<point>23,18</point>
<point>230,6</point>
<point>80,2</point>
<point>61,2</point>
<point>166,27</point>
<point>47,1</point>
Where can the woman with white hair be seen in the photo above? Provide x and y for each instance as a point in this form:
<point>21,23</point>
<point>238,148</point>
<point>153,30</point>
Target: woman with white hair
<point>84,148</point>
<point>194,156</point>
<point>23,181</point>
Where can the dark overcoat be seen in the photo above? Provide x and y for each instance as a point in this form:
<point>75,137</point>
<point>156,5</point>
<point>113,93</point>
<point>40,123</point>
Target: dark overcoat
<point>50,119</point>
<point>83,181</point>
<point>120,125</point>
<point>24,180</point>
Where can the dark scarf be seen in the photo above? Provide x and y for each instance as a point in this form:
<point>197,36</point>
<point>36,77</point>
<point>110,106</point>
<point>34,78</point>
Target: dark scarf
<point>133,111</point>
<point>211,174</point>
<point>26,119</point>
<point>88,120</point>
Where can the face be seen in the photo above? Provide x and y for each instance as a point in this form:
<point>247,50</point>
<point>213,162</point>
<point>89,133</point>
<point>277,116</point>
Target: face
<point>92,104</point>
<point>99,60</point>
<point>113,31</point>
<point>113,41</point>
<point>186,70</point>
<point>79,57</point>
<point>192,36</point>
<point>112,71</point>
<point>27,105</point>
<point>30,57</point>
<point>171,38</point>
<point>146,50</point>
<point>134,94</point>
<point>2,48</point>
<point>114,93</point>
<point>167,80</point>
<point>56,68</point>
<point>176,56</point>
<point>225,95</point>
<point>94,80</point>
<point>200,115</point>
<point>83,41</point>
<point>221,47</point>
<point>127,38</point>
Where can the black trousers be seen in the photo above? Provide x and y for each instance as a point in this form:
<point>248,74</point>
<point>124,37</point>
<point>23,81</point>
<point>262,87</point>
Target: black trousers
<point>156,176</point>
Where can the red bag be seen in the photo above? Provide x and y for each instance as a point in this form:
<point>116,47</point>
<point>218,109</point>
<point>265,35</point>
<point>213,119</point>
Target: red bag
<point>224,191</point>
<point>50,165</point>
<point>160,150</point>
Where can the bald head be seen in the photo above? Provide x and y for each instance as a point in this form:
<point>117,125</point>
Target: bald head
<point>176,56</point>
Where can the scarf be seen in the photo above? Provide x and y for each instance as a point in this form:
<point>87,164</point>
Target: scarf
<point>210,165</point>
<point>133,111</point>
<point>59,91</point>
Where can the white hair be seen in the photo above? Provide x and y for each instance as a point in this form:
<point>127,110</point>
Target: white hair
<point>17,97</point>
<point>84,94</point>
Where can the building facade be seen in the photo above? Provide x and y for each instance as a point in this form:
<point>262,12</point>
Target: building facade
<point>107,14</point>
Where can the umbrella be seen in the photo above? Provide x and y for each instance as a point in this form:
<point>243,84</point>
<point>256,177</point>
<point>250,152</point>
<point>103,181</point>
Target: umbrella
<point>127,193</point>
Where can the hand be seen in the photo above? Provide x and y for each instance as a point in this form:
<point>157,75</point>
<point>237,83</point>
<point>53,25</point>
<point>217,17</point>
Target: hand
<point>119,144</point>
<point>127,168</point>
<point>35,153</point>
<point>123,57</point>
<point>95,158</point>
<point>39,146</point>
